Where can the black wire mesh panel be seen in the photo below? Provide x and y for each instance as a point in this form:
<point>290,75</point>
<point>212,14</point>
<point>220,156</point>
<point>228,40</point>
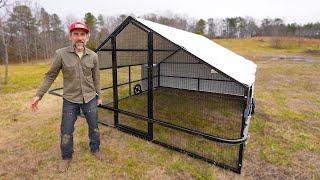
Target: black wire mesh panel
<point>222,153</point>
<point>163,48</point>
<point>201,99</point>
<point>131,45</point>
<point>134,91</point>
<point>106,116</point>
<point>184,71</point>
<point>210,113</point>
<point>132,37</point>
<point>105,57</point>
<point>106,85</point>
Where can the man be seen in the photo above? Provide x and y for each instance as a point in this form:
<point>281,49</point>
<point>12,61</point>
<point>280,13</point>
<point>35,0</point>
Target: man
<point>81,90</point>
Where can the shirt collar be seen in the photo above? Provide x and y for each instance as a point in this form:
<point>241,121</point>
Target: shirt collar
<point>85,51</point>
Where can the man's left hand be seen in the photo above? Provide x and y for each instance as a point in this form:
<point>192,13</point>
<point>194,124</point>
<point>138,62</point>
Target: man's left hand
<point>99,102</point>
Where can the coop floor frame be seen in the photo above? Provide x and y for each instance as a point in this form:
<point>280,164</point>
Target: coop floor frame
<point>149,118</point>
<point>165,123</point>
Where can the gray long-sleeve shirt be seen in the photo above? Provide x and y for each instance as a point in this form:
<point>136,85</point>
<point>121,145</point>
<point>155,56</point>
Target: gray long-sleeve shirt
<point>81,76</point>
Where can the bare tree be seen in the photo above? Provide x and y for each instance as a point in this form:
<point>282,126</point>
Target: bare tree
<point>181,22</point>
<point>211,28</point>
<point>103,32</point>
<point>5,53</point>
<point>45,27</point>
<point>251,28</point>
<point>111,23</point>
<point>3,4</point>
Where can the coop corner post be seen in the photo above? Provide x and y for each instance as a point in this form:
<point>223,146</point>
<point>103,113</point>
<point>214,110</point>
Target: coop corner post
<point>115,80</point>
<point>129,73</point>
<point>150,85</point>
<point>159,64</point>
<point>243,126</point>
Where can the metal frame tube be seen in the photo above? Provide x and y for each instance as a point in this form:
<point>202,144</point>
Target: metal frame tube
<point>244,116</point>
<point>129,80</point>
<point>150,85</point>
<point>179,128</point>
<point>115,79</point>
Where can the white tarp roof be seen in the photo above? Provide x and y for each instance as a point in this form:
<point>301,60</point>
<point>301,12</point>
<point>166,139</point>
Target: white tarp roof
<point>226,61</point>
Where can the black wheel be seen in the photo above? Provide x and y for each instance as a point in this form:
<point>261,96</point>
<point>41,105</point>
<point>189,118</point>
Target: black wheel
<point>137,89</point>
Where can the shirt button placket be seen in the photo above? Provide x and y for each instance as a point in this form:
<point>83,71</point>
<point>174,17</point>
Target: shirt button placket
<point>80,77</point>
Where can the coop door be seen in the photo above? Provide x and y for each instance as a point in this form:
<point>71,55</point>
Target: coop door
<point>132,57</point>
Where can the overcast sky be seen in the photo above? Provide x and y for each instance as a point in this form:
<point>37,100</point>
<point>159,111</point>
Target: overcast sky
<point>300,11</point>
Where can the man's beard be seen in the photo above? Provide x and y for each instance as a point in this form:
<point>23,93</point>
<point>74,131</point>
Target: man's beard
<point>79,45</point>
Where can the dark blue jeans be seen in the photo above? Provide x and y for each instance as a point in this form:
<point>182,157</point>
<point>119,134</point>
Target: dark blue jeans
<point>70,111</point>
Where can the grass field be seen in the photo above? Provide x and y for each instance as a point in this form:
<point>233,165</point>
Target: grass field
<point>284,141</point>
<point>262,46</point>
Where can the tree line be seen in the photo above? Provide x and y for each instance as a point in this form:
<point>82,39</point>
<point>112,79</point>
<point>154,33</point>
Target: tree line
<point>34,34</point>
<point>29,32</point>
<point>238,27</point>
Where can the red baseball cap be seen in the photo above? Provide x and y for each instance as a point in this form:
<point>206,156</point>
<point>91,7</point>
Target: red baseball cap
<point>78,25</point>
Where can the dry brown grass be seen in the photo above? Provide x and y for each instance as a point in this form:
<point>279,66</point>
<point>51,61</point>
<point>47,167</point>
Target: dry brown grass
<point>284,143</point>
<point>30,148</point>
<point>275,46</point>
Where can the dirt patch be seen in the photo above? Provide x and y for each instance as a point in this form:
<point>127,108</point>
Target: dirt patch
<point>290,58</point>
<point>313,52</point>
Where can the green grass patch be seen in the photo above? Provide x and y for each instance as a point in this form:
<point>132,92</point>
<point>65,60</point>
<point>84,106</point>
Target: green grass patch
<point>27,77</point>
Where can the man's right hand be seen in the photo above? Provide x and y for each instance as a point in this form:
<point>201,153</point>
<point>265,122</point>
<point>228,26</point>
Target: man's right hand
<point>34,104</point>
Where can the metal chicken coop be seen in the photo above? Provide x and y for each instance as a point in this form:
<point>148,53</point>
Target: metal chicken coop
<point>177,89</point>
